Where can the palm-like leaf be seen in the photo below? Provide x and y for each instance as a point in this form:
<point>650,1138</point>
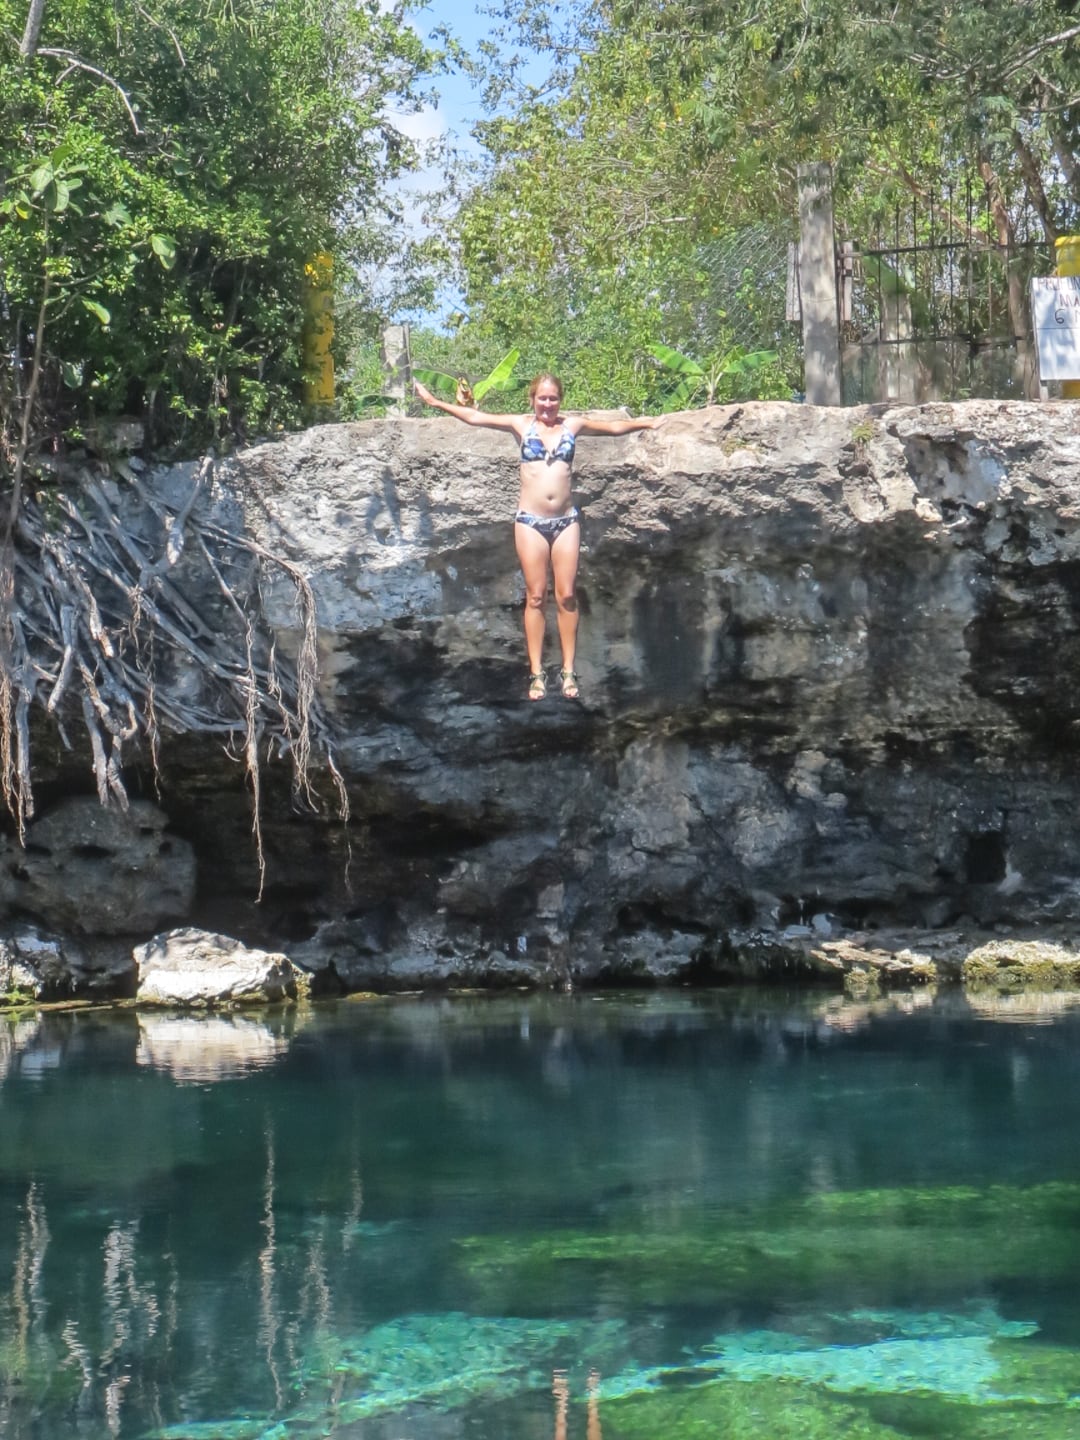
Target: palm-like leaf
<point>498,376</point>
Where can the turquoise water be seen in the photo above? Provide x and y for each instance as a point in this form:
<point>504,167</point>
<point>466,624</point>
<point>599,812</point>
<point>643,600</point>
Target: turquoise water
<point>615,1218</point>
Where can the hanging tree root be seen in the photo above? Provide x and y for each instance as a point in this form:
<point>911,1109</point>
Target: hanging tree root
<point>91,623</point>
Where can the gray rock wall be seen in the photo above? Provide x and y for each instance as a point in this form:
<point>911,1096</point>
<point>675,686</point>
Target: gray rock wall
<point>829,664</point>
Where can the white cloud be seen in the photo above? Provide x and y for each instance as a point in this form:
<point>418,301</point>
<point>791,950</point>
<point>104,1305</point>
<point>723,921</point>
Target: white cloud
<point>423,125</point>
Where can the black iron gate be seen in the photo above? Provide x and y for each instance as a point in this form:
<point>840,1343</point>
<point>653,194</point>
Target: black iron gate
<point>935,305</point>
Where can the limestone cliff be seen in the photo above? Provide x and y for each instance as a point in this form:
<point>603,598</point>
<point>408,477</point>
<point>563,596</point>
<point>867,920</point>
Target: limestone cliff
<point>830,669</point>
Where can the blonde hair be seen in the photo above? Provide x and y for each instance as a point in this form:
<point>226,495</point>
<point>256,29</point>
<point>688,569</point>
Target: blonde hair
<point>539,380</point>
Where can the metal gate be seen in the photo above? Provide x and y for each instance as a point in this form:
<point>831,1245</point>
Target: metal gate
<point>935,306</point>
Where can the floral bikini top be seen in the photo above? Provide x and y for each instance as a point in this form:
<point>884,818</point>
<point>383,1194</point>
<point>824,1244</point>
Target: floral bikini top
<point>533,448</point>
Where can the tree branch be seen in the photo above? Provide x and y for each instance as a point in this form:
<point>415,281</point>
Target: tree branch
<point>74,63</point>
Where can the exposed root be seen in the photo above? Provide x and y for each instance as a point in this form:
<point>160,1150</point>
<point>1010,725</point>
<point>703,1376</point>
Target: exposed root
<point>90,618</point>
<point>251,756</point>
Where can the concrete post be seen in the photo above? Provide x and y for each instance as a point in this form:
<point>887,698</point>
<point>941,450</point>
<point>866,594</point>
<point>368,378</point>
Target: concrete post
<point>817,282</point>
<point>896,352</point>
<point>397,366</point>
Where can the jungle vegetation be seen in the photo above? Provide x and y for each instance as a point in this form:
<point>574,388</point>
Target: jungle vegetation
<point>645,194</point>
<point>168,168</point>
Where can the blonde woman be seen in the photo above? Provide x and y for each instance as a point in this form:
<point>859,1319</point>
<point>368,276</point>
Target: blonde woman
<point>547,526</point>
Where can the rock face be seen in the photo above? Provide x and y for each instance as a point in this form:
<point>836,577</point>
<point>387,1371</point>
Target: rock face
<point>830,669</point>
<point>34,966</point>
<point>94,871</point>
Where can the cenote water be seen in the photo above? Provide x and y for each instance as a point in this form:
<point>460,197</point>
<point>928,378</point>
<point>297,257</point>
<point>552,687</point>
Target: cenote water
<point>651,1217</point>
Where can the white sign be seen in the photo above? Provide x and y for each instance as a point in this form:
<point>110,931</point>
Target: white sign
<point>1055,310</point>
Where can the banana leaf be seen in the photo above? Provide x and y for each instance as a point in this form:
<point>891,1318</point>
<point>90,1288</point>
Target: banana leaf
<point>498,376</point>
<point>674,361</point>
<point>437,381</point>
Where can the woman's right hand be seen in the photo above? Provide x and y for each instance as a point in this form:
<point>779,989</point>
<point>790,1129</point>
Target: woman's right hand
<point>423,392</point>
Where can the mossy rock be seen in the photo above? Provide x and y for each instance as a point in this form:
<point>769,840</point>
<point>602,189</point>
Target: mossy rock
<point>780,1410</point>
<point>1021,965</point>
<point>783,1407</point>
<point>850,1247</point>
<point>1036,1371</point>
<point>740,1410</point>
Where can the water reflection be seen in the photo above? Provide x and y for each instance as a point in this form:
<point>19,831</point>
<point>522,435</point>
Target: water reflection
<point>560,1389</point>
<point>195,1049</point>
<point>431,1205</point>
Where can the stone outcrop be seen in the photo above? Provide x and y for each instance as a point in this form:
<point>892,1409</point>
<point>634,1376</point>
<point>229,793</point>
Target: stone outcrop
<point>830,672</point>
<point>40,965</point>
<point>97,871</point>
<point>192,968</point>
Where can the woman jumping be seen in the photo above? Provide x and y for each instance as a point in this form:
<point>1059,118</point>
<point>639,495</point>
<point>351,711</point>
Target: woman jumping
<point>547,526</point>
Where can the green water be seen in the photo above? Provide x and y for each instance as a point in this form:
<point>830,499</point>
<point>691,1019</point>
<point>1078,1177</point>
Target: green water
<point>661,1217</point>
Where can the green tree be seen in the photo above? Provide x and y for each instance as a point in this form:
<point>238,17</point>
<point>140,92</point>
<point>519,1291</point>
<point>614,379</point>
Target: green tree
<point>165,172</point>
<point>667,128</point>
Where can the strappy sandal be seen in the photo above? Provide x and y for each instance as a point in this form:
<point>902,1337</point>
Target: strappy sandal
<point>569,684</point>
<point>537,685</point>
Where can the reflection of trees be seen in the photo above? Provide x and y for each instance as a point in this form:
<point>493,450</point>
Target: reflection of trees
<point>28,1307</point>
<point>107,1342</point>
<point>57,1345</point>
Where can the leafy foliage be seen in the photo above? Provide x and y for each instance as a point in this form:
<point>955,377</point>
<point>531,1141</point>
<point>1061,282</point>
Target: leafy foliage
<point>706,379</point>
<point>165,176</point>
<point>498,378</point>
<point>668,128</point>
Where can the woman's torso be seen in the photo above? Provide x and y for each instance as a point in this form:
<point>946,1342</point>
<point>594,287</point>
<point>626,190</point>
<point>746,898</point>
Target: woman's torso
<point>547,454</point>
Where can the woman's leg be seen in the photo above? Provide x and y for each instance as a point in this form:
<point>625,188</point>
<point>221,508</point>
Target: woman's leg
<point>564,566</point>
<point>534,556</point>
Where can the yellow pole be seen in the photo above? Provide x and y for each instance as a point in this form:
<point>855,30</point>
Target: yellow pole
<point>1068,263</point>
<point>318,329</point>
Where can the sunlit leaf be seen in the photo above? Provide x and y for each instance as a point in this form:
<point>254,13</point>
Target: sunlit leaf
<point>437,381</point>
<point>165,250</point>
<point>672,360</point>
<point>98,311</point>
<point>499,375</point>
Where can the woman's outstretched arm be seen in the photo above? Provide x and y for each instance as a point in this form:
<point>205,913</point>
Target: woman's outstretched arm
<point>466,412</point>
<point>599,426</point>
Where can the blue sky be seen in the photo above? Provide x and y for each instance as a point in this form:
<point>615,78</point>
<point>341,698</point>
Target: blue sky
<point>459,104</point>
